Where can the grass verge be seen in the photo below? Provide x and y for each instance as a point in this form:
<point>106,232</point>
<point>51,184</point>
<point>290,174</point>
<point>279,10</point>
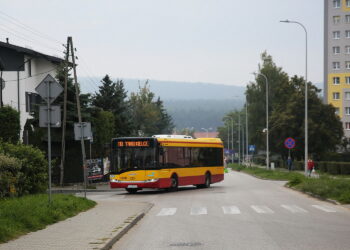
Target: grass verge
<point>30,213</point>
<point>325,187</point>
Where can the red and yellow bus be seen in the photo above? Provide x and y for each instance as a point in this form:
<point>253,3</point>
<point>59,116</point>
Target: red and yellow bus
<point>165,162</point>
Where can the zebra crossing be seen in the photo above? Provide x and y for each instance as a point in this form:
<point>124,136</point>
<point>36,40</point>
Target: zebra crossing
<point>259,209</point>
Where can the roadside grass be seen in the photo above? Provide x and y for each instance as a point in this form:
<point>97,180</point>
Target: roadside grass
<point>326,187</point>
<point>30,213</point>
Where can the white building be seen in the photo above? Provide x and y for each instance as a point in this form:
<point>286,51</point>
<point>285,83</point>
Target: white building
<point>22,70</point>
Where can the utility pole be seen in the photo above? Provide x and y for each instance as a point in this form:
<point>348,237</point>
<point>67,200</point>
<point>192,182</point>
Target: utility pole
<point>70,41</point>
<point>63,150</point>
<point>239,138</point>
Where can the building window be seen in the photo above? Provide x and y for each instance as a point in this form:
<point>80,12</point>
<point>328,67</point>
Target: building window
<point>347,110</point>
<point>336,65</point>
<point>336,95</point>
<point>347,33</point>
<point>347,65</point>
<point>336,111</point>
<point>336,80</point>
<point>347,95</point>
<point>336,34</point>
<point>336,3</point>
<point>347,125</point>
<point>347,18</point>
<point>336,19</point>
<point>336,50</point>
<point>32,100</point>
<point>29,69</point>
<point>347,79</point>
<point>347,49</point>
<point>347,3</point>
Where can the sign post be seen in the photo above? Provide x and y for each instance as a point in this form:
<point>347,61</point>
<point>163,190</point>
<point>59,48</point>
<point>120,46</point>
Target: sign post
<point>49,89</point>
<point>82,131</point>
<point>289,143</point>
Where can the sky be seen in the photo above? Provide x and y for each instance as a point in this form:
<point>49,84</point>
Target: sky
<point>211,41</point>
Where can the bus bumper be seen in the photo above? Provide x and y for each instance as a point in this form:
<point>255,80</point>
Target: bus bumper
<point>153,183</point>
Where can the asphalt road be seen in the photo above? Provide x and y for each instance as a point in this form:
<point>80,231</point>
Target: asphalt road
<point>241,212</point>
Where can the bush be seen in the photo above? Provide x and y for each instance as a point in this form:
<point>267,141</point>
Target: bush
<point>9,175</point>
<point>33,167</point>
<point>10,125</point>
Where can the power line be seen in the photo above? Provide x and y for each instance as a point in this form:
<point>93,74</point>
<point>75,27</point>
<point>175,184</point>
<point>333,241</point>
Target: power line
<point>14,80</point>
<point>28,39</point>
<point>26,27</point>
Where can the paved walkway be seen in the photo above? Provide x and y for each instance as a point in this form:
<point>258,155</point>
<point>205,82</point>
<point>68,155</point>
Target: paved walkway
<point>92,229</point>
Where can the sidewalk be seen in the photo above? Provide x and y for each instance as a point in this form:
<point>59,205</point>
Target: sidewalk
<point>97,228</point>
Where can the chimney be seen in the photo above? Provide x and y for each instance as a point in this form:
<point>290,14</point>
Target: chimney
<point>7,40</point>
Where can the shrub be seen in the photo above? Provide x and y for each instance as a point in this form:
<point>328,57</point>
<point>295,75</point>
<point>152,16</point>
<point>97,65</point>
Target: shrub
<point>9,175</point>
<point>33,167</point>
<point>10,125</point>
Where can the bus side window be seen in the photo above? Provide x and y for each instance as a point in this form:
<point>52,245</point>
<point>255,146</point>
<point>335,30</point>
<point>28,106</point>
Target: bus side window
<point>162,157</point>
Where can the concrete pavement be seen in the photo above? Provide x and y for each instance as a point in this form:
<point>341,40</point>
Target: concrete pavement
<point>97,228</point>
<point>240,213</point>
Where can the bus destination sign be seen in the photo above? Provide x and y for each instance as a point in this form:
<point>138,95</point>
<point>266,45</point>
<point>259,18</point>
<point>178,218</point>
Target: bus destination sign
<point>133,143</point>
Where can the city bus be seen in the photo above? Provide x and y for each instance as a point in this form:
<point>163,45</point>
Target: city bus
<point>165,162</point>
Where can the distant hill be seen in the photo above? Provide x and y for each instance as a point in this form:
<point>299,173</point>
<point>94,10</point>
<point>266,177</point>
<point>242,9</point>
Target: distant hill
<point>170,90</point>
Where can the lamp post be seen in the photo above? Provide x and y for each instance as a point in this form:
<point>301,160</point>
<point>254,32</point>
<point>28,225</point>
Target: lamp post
<point>246,125</point>
<point>207,130</point>
<point>267,119</point>
<point>306,94</point>
<point>239,138</point>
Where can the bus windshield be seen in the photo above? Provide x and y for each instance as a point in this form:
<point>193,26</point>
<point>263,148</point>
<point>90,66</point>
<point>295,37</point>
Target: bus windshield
<point>135,159</point>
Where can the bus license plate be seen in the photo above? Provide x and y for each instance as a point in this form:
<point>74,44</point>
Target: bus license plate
<point>132,186</point>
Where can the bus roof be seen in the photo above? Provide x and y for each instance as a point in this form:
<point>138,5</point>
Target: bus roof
<point>190,142</point>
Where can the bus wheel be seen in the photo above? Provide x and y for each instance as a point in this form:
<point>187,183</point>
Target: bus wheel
<point>174,183</point>
<point>131,190</point>
<point>207,181</point>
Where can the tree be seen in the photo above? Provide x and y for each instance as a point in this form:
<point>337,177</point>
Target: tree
<point>103,127</point>
<point>113,97</point>
<point>286,113</point>
<point>149,117</point>
<point>10,125</point>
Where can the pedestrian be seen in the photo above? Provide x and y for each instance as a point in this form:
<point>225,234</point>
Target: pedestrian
<point>310,166</point>
<point>289,163</point>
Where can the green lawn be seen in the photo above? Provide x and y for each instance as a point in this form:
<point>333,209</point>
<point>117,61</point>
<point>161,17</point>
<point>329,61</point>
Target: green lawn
<point>326,187</point>
<point>29,213</point>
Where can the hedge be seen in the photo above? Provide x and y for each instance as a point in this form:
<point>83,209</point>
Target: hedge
<point>331,167</point>
<point>33,167</point>
<point>9,175</point>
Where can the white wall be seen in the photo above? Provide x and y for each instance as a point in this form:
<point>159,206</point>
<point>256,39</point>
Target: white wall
<point>40,68</point>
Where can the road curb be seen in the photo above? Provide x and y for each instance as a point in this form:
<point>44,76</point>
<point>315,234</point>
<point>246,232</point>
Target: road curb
<point>129,223</point>
<point>314,196</point>
<point>72,191</point>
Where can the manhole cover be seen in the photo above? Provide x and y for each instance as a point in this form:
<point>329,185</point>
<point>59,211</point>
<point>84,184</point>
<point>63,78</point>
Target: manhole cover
<point>186,244</point>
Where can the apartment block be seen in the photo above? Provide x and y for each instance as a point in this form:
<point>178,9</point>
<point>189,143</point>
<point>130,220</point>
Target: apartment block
<point>337,58</point>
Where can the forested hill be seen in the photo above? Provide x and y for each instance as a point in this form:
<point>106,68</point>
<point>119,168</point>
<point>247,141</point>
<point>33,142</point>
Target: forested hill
<point>197,105</point>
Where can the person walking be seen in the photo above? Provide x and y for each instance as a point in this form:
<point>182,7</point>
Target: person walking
<point>310,166</point>
<point>289,163</point>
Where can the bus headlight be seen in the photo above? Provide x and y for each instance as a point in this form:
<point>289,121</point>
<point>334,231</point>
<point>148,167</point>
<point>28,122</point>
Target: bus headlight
<point>114,180</point>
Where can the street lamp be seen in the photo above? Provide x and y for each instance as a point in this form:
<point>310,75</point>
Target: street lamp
<point>207,130</point>
<point>306,95</point>
<point>267,118</point>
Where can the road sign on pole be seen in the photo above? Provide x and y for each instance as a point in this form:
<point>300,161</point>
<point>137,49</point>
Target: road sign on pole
<point>252,148</point>
<point>82,131</point>
<point>289,143</point>
<point>55,118</point>
<point>49,89</point>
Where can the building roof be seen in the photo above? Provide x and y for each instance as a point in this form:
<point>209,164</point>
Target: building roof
<point>205,135</point>
<point>30,52</point>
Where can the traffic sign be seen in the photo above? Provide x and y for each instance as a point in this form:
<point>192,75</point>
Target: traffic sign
<point>251,148</point>
<point>49,89</point>
<point>82,130</point>
<point>55,116</point>
<point>289,143</point>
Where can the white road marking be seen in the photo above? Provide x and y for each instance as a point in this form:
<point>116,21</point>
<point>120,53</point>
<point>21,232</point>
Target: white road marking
<point>231,210</point>
<point>262,209</point>
<point>294,209</point>
<point>167,211</point>
<point>198,210</point>
<point>325,208</point>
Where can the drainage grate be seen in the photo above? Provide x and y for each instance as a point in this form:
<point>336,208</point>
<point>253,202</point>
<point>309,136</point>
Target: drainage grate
<point>186,244</point>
